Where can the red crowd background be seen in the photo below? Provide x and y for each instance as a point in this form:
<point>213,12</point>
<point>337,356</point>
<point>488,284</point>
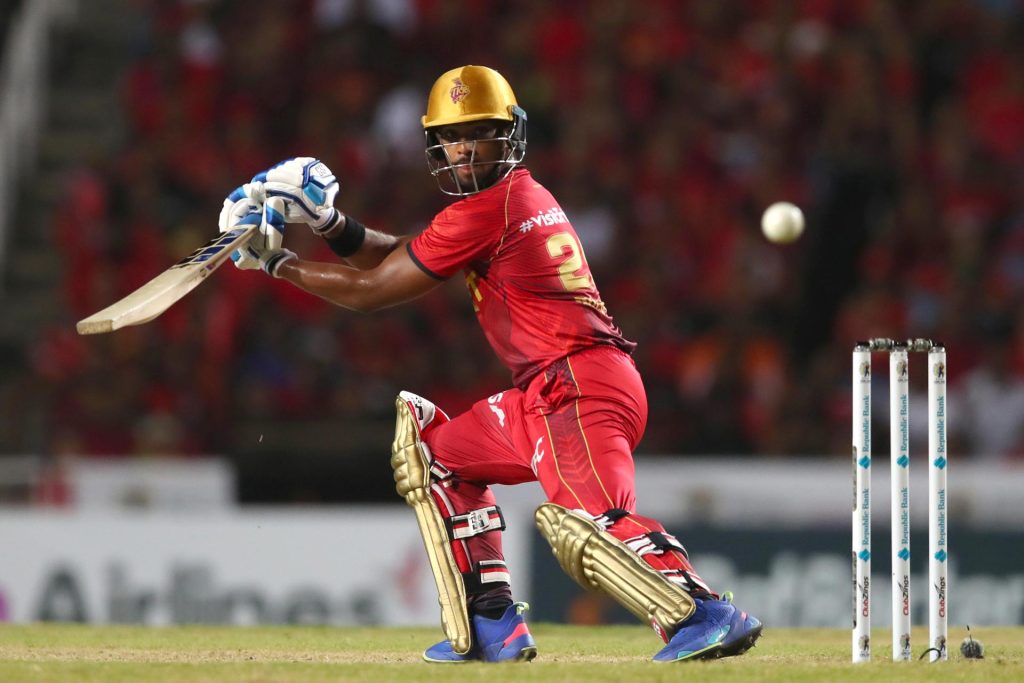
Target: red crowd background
<point>664,128</point>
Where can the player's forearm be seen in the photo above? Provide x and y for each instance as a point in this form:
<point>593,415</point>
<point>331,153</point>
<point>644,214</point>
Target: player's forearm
<point>396,280</point>
<point>342,285</point>
<point>374,246</point>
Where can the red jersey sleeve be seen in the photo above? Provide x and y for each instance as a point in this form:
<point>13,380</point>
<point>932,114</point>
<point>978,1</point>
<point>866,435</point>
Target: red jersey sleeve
<point>465,231</point>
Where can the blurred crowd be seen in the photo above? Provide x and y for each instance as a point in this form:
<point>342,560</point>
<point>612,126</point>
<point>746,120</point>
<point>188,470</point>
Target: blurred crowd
<point>664,128</point>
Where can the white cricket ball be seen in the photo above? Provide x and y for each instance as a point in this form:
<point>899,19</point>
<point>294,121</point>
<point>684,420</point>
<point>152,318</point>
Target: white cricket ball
<point>782,222</point>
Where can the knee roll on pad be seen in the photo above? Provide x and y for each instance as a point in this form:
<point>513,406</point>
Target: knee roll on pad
<point>411,467</point>
<point>598,561</point>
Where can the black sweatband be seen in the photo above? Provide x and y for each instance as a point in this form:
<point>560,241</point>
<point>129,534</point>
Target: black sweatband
<point>350,239</point>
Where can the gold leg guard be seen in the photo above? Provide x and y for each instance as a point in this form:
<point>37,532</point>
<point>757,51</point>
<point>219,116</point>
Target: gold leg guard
<point>412,481</point>
<point>598,561</point>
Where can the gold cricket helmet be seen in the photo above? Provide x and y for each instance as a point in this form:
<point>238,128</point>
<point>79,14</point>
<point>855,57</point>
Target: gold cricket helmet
<point>469,93</point>
<point>463,95</point>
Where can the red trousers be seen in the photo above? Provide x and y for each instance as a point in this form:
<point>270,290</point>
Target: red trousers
<point>573,429</point>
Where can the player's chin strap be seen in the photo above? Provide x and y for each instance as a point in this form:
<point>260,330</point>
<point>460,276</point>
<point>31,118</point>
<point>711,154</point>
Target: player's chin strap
<point>598,561</point>
<point>412,481</point>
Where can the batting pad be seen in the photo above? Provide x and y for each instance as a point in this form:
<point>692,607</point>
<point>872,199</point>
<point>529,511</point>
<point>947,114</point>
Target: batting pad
<point>598,561</point>
<point>412,481</point>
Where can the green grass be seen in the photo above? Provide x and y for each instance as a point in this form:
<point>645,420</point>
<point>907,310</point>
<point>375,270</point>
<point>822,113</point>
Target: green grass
<point>112,654</point>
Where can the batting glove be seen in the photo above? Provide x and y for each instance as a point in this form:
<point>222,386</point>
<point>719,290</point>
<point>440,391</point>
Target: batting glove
<point>237,209</point>
<point>264,250</point>
<point>307,186</point>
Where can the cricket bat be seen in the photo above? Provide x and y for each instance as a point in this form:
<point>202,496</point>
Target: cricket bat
<point>160,293</point>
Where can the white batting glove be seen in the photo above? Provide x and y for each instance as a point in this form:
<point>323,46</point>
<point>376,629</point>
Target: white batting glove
<point>264,250</point>
<point>307,186</point>
<point>265,246</point>
<point>237,209</point>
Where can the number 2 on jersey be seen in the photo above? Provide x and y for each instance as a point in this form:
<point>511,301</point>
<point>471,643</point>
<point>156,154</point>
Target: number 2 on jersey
<point>563,244</point>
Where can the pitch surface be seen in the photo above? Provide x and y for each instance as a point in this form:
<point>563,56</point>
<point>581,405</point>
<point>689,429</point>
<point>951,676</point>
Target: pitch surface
<point>112,654</point>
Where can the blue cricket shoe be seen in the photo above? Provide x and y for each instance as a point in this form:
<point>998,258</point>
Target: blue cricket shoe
<point>506,639</point>
<point>716,629</point>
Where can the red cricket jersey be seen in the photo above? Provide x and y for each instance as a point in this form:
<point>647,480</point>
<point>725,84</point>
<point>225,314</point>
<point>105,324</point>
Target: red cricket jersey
<point>526,273</point>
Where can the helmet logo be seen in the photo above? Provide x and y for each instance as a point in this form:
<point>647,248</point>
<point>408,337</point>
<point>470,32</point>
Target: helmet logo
<point>459,91</point>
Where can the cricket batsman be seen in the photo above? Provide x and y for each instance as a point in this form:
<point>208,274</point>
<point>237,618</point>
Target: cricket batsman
<point>572,417</point>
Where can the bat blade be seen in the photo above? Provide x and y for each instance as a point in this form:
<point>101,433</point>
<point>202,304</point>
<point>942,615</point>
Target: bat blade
<point>156,296</point>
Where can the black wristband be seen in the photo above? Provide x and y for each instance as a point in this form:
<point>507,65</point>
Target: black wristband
<point>350,239</point>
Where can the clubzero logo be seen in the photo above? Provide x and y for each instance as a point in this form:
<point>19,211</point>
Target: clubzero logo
<point>905,593</point>
<point>940,589</point>
<point>459,91</point>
